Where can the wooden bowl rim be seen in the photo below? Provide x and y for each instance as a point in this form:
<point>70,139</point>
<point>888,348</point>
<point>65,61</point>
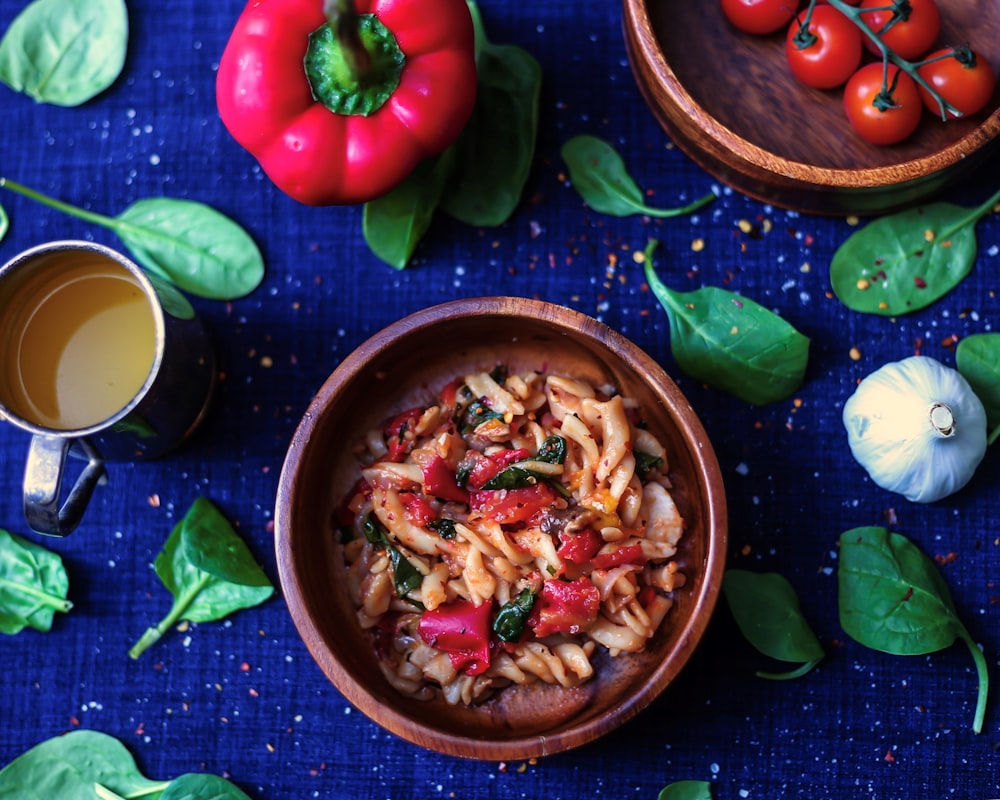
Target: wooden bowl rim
<point>691,630</point>
<point>637,14</point>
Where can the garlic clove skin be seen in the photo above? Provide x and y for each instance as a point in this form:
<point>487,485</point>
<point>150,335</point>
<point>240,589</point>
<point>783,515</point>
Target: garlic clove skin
<point>917,427</point>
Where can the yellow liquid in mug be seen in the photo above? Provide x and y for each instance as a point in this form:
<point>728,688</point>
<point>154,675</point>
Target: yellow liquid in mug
<point>79,343</point>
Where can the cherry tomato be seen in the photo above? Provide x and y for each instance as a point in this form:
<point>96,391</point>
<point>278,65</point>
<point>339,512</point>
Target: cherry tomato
<point>908,28</point>
<point>823,48</point>
<point>961,76</point>
<point>882,117</point>
<point>759,17</point>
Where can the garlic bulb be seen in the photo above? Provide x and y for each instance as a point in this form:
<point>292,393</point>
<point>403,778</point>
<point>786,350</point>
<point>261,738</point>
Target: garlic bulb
<point>917,427</point>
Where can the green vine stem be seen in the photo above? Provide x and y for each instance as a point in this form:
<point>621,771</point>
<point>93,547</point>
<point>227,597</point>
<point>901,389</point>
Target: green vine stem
<point>888,55</point>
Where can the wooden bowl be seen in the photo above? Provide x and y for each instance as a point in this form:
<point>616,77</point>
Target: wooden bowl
<point>408,363</point>
<point>728,100</point>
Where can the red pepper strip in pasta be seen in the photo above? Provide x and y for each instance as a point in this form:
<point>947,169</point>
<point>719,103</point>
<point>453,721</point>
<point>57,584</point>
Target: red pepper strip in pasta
<point>462,630</point>
<point>484,468</point>
<point>418,510</point>
<point>508,506</point>
<point>580,546</point>
<point>440,481</point>
<point>395,434</point>
<point>629,554</point>
<point>565,607</point>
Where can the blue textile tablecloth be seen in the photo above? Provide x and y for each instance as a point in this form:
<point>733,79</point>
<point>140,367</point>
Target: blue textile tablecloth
<point>242,698</point>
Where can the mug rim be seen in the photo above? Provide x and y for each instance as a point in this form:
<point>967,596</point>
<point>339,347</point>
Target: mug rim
<point>148,289</point>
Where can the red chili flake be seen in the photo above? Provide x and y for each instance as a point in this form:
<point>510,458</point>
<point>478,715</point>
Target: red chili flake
<point>737,302</point>
<point>943,560</point>
<point>889,757</point>
<point>949,341</point>
<point>890,516</point>
<point>254,693</point>
<point>809,239</point>
<point>244,667</point>
<point>908,595</point>
<point>918,253</point>
<point>919,282</point>
<point>74,721</point>
<point>879,262</point>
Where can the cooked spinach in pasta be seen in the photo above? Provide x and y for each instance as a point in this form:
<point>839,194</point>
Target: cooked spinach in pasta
<point>506,532</point>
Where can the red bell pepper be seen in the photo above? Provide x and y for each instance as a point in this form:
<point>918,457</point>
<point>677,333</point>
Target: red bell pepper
<point>509,506</point>
<point>462,630</point>
<point>565,607</point>
<point>395,434</point>
<point>629,554</point>
<point>339,101</point>
<point>440,481</point>
<point>579,547</point>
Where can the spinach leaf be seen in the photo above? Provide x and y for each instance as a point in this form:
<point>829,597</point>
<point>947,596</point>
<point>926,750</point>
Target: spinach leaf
<point>65,52</point>
<point>513,616</point>
<point>4,223</point>
<point>394,224</point>
<point>766,610</point>
<point>892,598</point>
<point>511,478</point>
<point>552,451</point>
<point>68,767</point>
<point>686,790</point>
<point>445,528</point>
<point>201,786</point>
<point>33,585</point>
<point>209,571</point>
<point>598,173</point>
<point>405,576</point>
<point>905,261</point>
<point>187,243</point>
<point>646,463</point>
<point>977,358</point>
<point>731,342</point>
<point>495,152</point>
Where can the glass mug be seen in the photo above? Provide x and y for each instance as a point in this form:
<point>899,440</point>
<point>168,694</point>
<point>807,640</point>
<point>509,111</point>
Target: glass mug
<point>98,360</point>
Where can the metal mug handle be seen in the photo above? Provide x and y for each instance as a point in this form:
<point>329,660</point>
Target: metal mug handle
<point>43,478</point>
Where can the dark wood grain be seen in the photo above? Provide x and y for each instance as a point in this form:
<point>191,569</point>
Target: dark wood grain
<point>729,101</point>
<point>408,363</point>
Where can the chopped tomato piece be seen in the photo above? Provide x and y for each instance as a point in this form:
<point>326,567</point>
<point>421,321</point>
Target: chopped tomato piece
<point>462,630</point>
<point>449,394</point>
<point>579,546</point>
<point>440,481</point>
<point>629,554</point>
<point>565,607</point>
<point>509,506</point>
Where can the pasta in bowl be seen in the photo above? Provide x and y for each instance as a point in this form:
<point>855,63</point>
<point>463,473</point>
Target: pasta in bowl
<point>508,549</point>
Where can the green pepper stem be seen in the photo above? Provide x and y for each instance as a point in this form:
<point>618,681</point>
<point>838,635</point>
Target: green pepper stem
<point>342,17</point>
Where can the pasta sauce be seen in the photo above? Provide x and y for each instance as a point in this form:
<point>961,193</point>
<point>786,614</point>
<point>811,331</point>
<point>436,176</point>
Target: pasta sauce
<point>503,534</point>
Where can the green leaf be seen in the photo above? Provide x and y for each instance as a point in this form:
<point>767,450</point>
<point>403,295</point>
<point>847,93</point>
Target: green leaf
<point>513,616</point>
<point>731,342</point>
<point>978,360</point>
<point>65,52</point>
<point>496,150</point>
<point>394,224</point>
<point>766,610</point>
<point>209,571</point>
<point>33,585</point>
<point>686,790</point>
<point>599,174</point>
<point>4,223</point>
<point>905,261</point>
<point>67,767</point>
<point>189,244</point>
<point>201,786</point>
<point>194,246</point>
<point>893,598</point>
